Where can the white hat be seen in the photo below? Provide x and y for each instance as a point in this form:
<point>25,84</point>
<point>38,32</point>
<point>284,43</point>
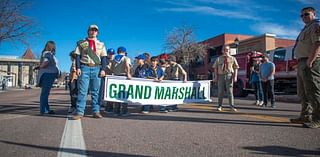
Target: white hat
<point>93,26</point>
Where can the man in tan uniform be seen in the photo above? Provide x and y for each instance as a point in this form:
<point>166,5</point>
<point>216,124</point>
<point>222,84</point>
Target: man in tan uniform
<point>91,54</point>
<point>226,70</point>
<point>307,51</point>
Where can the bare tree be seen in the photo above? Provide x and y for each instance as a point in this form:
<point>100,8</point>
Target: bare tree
<point>182,43</point>
<point>13,25</point>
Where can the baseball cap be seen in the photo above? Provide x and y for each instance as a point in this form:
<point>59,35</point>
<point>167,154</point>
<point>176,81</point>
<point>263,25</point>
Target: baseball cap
<point>93,27</point>
<point>164,56</point>
<point>142,56</point>
<point>110,51</point>
<point>172,58</point>
<point>122,49</point>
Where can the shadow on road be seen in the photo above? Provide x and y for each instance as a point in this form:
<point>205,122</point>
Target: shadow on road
<point>204,120</point>
<point>72,150</point>
<point>281,151</point>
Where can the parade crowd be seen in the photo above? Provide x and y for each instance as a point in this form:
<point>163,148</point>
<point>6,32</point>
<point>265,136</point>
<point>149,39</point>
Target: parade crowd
<point>91,62</point>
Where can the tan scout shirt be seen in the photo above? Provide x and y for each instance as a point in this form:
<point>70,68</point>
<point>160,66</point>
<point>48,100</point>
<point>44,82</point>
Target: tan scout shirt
<point>308,36</point>
<point>175,72</point>
<point>100,52</point>
<point>232,64</point>
<point>118,67</point>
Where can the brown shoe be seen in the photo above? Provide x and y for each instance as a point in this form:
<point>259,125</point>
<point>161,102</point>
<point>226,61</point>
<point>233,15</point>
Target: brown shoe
<point>300,120</point>
<point>97,115</point>
<point>77,117</point>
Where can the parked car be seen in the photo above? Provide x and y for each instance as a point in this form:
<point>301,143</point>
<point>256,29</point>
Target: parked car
<point>55,85</point>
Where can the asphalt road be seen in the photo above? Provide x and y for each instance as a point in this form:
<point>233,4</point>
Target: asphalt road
<point>195,130</point>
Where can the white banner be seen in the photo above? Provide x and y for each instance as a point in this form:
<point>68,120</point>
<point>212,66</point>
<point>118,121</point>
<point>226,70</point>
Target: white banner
<point>147,92</point>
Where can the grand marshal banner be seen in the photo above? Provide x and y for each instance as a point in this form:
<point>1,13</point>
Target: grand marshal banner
<point>147,92</point>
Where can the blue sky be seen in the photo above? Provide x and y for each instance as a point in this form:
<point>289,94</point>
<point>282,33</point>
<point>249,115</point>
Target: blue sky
<point>142,25</point>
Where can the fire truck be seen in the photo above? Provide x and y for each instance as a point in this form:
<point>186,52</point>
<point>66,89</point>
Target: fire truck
<point>285,76</point>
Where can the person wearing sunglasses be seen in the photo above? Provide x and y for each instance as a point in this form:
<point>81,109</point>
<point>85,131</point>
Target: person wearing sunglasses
<point>91,60</point>
<point>307,52</point>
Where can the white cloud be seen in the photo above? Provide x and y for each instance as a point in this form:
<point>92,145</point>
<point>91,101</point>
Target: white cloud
<point>211,11</point>
<point>280,30</point>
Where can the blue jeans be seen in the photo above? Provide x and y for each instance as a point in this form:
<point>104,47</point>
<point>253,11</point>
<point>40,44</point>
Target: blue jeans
<point>163,108</point>
<point>46,82</point>
<point>258,90</point>
<point>89,77</point>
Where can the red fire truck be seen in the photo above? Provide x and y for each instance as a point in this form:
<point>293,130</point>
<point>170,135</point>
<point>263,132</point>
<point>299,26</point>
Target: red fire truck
<point>285,76</point>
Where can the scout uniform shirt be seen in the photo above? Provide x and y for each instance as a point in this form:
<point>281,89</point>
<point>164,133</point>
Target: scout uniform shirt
<point>307,37</point>
<point>118,66</point>
<point>81,50</point>
<point>225,66</point>
<point>175,72</point>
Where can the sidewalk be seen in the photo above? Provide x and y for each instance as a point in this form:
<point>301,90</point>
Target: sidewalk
<point>11,89</point>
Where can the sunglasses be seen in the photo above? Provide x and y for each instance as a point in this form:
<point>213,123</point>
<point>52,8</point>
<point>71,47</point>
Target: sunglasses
<point>94,30</point>
<point>305,14</point>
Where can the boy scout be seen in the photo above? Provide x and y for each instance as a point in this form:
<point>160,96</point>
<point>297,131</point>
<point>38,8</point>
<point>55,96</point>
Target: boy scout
<point>121,66</point>
<point>226,70</point>
<point>307,51</point>
<point>175,72</point>
<point>91,54</point>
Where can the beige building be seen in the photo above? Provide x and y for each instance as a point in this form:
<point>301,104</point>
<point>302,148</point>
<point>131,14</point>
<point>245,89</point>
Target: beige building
<point>263,43</point>
<point>18,71</point>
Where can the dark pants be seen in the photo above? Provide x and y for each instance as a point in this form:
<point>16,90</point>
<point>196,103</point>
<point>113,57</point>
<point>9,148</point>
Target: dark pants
<point>268,92</point>
<point>73,88</point>
<point>120,108</point>
<point>109,104</point>
<point>309,87</point>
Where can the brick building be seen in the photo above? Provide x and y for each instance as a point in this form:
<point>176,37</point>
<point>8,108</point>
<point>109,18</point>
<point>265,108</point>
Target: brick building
<point>246,43</point>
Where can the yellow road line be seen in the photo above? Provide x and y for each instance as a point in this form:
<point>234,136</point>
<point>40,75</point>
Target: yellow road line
<point>250,115</point>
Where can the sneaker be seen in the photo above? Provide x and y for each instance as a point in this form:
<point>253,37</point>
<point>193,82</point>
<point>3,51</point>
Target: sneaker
<point>313,125</point>
<point>219,109</point>
<point>234,109</point>
<point>145,112</point>
<point>51,112</point>
<point>97,115</point>
<point>77,117</point>
<point>300,120</point>
<point>261,103</point>
<point>257,102</point>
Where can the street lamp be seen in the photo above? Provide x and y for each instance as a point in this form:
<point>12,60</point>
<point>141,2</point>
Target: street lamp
<point>236,42</point>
